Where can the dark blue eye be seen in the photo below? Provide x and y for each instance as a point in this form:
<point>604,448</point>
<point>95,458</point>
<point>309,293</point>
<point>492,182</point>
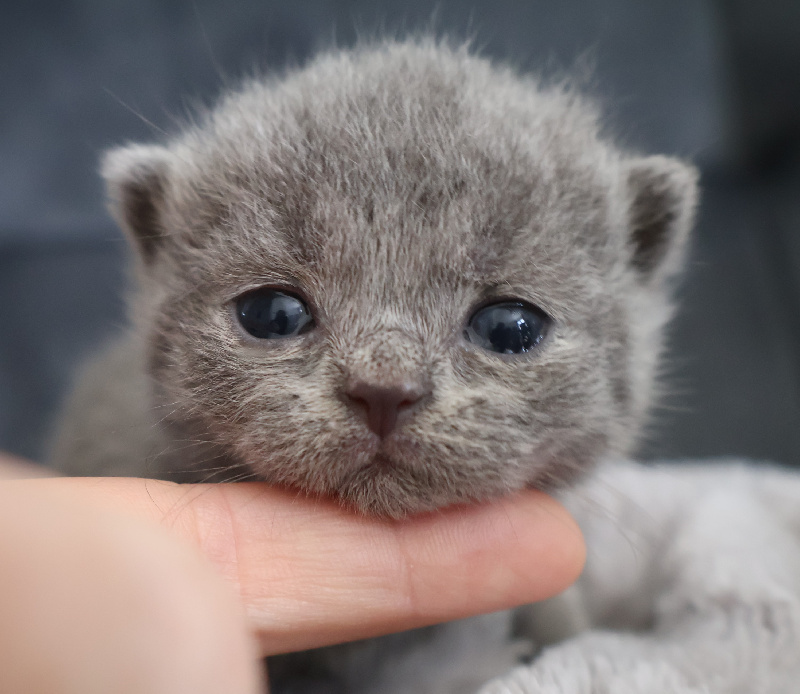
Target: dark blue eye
<point>269,314</point>
<point>510,327</point>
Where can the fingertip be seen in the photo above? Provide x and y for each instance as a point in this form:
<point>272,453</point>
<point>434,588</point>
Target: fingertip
<point>463,561</point>
<point>555,534</point>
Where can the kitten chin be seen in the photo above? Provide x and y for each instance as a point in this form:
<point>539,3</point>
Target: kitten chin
<point>401,275</point>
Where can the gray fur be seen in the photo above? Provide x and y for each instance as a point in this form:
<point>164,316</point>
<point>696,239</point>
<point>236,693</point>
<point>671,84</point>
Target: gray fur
<point>397,187</point>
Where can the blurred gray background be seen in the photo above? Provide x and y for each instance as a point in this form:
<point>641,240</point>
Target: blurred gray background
<point>715,81</point>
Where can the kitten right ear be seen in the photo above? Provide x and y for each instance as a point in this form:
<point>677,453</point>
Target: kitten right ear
<point>135,182</point>
<point>663,198</point>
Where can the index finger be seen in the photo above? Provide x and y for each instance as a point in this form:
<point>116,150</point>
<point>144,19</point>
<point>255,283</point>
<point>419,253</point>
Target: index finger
<point>310,573</point>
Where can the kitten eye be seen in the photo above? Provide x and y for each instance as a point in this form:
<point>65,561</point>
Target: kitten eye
<point>510,327</point>
<point>269,314</point>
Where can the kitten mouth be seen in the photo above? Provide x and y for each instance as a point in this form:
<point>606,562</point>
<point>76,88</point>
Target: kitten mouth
<point>396,450</point>
<point>383,458</point>
<point>385,451</point>
<point>381,461</point>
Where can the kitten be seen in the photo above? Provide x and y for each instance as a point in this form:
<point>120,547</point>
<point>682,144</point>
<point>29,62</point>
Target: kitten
<point>402,276</point>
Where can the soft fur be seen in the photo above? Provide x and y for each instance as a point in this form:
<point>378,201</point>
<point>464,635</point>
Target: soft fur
<point>399,187</point>
<point>692,585</point>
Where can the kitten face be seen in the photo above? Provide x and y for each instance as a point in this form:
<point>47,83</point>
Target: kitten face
<point>395,192</point>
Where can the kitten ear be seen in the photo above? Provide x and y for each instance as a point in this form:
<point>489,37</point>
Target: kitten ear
<point>135,183</point>
<point>663,198</point>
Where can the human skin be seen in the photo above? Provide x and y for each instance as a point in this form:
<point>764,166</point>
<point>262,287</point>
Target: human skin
<point>132,585</point>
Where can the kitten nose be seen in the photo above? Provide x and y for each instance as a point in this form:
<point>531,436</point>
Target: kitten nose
<point>382,407</point>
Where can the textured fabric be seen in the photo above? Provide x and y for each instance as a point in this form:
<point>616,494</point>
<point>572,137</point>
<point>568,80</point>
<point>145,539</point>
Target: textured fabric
<point>692,585</point>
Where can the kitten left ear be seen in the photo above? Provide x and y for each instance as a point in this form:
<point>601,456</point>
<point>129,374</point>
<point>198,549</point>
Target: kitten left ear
<point>136,178</point>
<point>663,198</point>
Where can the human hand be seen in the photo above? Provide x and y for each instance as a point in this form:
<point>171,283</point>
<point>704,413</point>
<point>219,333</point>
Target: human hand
<point>114,584</point>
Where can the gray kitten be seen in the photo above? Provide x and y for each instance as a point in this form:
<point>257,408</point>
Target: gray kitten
<point>401,276</point>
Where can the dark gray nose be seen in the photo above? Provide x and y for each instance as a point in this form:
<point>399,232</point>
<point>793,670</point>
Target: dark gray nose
<point>383,407</point>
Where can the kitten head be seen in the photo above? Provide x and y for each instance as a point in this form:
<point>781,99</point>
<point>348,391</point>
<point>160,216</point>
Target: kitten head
<point>403,277</point>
